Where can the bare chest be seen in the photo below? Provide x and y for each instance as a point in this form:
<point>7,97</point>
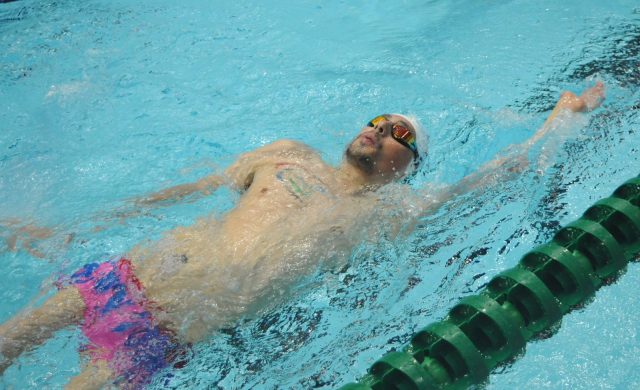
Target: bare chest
<point>282,193</point>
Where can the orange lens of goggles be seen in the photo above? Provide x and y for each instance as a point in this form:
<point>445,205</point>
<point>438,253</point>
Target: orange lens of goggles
<point>402,133</point>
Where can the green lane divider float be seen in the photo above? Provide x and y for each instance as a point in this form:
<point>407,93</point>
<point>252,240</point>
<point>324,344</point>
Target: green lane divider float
<point>485,330</point>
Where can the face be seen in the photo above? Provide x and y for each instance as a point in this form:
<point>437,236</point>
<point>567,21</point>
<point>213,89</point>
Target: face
<point>380,149</point>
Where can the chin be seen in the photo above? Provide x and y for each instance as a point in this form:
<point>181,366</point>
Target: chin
<point>360,159</point>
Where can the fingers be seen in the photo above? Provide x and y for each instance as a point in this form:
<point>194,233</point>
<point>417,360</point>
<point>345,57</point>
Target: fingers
<point>594,96</point>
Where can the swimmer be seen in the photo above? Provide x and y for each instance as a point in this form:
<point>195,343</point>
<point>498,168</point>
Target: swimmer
<point>140,312</point>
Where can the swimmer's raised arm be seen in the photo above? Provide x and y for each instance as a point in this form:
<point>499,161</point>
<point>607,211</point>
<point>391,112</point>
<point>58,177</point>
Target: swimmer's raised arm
<point>589,100</point>
<point>507,167</point>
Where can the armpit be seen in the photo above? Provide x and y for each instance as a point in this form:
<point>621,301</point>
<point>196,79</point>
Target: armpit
<point>248,181</point>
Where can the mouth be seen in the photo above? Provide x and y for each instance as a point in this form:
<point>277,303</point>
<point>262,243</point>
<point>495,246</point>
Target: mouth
<point>368,139</point>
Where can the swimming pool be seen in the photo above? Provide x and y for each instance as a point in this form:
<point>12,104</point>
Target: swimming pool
<point>105,101</point>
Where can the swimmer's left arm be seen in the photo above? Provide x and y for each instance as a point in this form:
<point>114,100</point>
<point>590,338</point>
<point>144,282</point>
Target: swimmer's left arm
<point>489,174</point>
<point>508,166</point>
<point>425,202</point>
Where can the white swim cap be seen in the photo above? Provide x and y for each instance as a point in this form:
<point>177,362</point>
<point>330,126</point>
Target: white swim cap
<point>422,141</point>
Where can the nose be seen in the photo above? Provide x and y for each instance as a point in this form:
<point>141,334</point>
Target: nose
<point>383,128</point>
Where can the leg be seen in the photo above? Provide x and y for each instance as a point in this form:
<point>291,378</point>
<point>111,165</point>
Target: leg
<point>33,327</point>
<point>94,376</point>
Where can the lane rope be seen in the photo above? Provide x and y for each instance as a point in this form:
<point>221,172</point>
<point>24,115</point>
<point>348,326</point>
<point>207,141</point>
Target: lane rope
<point>485,330</point>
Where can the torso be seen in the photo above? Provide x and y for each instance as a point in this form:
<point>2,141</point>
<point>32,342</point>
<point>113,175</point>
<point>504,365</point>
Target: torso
<point>291,215</point>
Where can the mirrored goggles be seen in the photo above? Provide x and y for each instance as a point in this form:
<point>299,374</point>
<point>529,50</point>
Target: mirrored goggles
<point>400,133</point>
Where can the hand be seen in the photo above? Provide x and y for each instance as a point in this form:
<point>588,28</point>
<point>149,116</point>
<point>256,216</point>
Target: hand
<point>589,100</point>
<point>27,236</point>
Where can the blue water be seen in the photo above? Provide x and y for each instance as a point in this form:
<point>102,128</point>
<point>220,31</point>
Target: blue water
<point>103,101</point>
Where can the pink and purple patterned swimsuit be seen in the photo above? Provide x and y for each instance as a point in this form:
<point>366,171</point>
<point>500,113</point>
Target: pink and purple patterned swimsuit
<point>119,325</point>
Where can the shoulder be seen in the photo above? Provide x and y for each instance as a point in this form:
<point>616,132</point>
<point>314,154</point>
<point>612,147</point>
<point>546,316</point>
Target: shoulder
<point>282,150</point>
<point>287,148</point>
<point>286,144</point>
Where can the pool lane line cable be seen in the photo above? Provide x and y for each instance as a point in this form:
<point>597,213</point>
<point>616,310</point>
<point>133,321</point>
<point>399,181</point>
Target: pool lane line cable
<point>488,329</point>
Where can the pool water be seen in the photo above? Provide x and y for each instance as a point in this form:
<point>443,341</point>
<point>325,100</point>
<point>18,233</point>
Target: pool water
<point>104,101</point>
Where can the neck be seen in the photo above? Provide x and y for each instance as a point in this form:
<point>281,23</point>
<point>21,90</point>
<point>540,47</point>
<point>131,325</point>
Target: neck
<point>354,180</point>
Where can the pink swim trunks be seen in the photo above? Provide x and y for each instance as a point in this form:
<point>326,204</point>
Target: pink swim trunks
<point>119,325</point>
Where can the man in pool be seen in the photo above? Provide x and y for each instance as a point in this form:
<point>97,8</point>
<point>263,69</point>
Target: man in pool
<point>140,311</point>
